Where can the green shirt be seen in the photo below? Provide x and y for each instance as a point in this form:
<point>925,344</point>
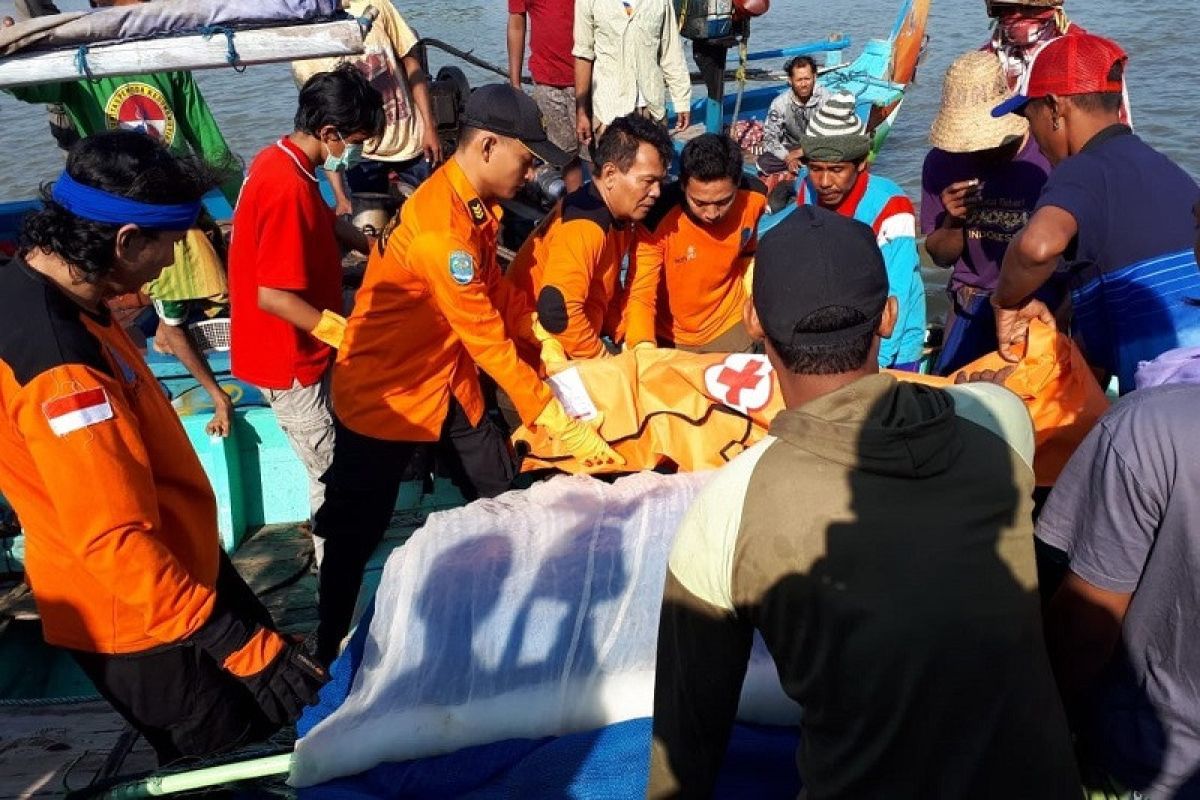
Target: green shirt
<point>165,105</point>
<point>881,542</point>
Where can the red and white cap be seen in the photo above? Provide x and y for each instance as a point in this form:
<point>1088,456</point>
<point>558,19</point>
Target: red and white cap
<point>1078,63</point>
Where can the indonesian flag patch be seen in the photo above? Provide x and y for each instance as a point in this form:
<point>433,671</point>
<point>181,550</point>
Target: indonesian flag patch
<point>77,410</point>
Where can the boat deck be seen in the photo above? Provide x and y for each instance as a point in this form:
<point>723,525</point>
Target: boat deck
<point>49,749</point>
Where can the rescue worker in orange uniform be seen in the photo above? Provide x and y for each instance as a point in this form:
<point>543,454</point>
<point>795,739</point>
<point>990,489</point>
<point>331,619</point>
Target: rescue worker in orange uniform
<point>431,313</point>
<point>576,267</point>
<point>695,248</point>
<point>123,554</point>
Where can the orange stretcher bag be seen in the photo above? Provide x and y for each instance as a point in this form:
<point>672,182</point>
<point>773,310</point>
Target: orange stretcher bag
<point>697,411</point>
<point>1059,389</point>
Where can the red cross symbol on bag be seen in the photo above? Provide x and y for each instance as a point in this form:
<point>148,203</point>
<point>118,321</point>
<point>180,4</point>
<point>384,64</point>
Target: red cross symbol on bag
<point>742,382</point>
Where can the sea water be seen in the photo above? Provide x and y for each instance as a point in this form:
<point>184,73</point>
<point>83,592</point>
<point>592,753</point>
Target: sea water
<point>255,107</point>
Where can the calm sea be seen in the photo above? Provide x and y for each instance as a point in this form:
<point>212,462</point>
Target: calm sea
<point>255,107</point>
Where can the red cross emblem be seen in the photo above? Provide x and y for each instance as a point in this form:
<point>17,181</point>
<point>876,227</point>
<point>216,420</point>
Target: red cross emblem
<point>738,380</point>
<point>741,381</point>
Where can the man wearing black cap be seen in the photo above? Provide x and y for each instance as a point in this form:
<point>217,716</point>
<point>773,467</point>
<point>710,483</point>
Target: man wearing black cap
<point>879,540</point>
<point>431,313</point>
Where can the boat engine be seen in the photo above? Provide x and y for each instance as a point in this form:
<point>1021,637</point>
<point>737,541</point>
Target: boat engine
<point>448,93</point>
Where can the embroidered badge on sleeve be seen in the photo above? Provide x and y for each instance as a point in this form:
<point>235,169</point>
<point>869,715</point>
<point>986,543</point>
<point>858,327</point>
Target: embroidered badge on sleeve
<point>77,410</point>
<point>462,267</point>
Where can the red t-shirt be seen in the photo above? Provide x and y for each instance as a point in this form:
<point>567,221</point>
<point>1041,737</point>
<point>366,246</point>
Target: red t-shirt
<point>551,23</point>
<point>283,238</point>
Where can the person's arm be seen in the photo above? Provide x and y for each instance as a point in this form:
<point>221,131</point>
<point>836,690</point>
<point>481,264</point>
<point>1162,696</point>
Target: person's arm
<point>404,43</point>
<point>772,140</point>
<point>514,308</point>
<point>946,243</point>
<point>351,237</point>
<point>944,215</point>
<point>341,194</point>
<point>516,42</point>
<point>199,129</point>
<point>1104,513</point>
<point>1030,260</point>
<point>183,347</point>
<point>573,251</point>
<point>897,240</point>
<point>281,270</point>
<point>289,306</point>
<point>469,310</point>
<point>675,70</point>
<point>641,309</point>
<point>1083,626</point>
<point>431,143</point>
<point>703,650</point>
<point>116,541</point>
<point>585,55</point>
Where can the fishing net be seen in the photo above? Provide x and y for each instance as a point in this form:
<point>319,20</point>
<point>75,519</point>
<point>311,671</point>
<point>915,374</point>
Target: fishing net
<point>531,615</point>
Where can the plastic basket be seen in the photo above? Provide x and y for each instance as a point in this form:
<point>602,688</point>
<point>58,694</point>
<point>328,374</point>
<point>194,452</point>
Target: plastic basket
<point>211,335</point>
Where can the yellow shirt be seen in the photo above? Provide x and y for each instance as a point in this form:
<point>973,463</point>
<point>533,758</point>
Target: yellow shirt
<point>389,40</point>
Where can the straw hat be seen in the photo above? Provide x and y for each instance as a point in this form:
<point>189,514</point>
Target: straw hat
<point>975,84</point>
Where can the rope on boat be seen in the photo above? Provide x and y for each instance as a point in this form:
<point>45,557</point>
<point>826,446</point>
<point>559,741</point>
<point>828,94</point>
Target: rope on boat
<point>231,54</point>
<point>81,62</point>
<point>469,57</point>
<point>743,59</point>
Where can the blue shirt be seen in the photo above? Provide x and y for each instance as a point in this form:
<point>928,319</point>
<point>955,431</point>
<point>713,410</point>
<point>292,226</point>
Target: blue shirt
<point>883,205</point>
<point>1132,265</point>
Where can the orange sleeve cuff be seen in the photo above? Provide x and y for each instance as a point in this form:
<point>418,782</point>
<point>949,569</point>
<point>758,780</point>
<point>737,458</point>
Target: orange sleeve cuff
<point>263,647</point>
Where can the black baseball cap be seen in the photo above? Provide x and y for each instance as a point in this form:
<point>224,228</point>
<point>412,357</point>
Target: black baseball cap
<point>815,259</point>
<point>499,108</point>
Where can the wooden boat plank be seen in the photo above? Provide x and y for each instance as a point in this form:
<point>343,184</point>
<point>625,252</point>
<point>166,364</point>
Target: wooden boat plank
<point>190,52</point>
<point>43,746</point>
<point>44,750</point>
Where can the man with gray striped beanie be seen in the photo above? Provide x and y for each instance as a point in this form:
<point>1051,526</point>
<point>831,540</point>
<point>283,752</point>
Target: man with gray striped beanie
<point>837,147</point>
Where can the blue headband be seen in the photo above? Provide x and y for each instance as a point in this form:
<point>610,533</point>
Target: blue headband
<point>98,205</point>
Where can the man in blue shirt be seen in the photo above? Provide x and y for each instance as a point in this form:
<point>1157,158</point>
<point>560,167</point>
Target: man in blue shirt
<point>1116,211</point>
<point>836,176</point>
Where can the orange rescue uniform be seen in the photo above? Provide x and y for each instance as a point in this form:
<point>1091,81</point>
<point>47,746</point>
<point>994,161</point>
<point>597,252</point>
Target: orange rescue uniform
<point>120,521</point>
<point>696,269</point>
<point>575,269</point>
<point>431,308</point>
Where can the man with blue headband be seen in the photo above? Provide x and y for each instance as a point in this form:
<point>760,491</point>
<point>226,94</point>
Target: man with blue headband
<point>123,554</point>
<point>168,107</point>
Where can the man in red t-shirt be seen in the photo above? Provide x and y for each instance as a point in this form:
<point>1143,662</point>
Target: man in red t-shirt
<point>553,70</point>
<point>285,263</point>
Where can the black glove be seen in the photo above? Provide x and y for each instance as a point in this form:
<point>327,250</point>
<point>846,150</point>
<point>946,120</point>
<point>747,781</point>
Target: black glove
<point>287,684</point>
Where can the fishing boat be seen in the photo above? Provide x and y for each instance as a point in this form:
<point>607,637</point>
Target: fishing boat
<point>258,480</point>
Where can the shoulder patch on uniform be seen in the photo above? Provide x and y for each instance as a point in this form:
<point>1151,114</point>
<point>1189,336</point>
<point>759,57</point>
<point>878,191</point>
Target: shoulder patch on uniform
<point>77,410</point>
<point>478,212</point>
<point>586,204</point>
<point>462,267</point>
